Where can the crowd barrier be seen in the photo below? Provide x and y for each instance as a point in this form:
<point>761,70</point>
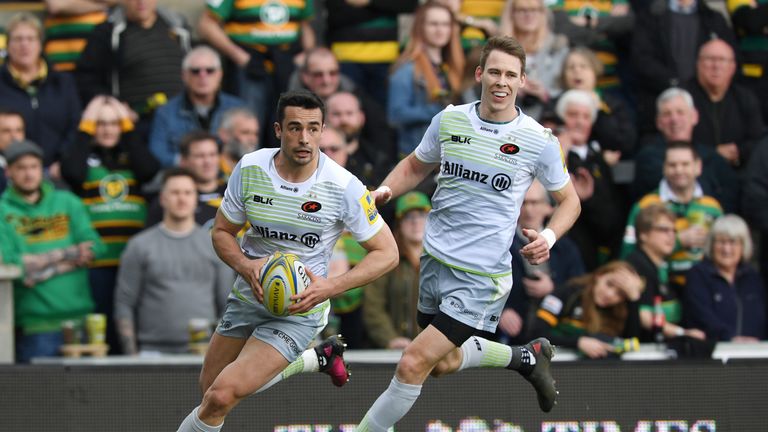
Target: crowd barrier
<point>155,394</point>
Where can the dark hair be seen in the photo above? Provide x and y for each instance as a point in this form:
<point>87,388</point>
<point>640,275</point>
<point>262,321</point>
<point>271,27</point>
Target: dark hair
<point>172,172</point>
<point>649,215</point>
<point>194,137</point>
<point>685,145</point>
<point>299,98</point>
<point>505,44</point>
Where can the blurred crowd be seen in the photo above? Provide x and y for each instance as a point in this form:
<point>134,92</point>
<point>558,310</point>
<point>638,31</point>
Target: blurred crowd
<point>120,123</point>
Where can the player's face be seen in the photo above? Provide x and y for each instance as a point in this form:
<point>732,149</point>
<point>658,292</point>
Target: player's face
<point>681,168</point>
<point>500,80</point>
<point>179,197</point>
<point>203,160</point>
<point>26,174</point>
<point>11,129</point>
<point>299,135</point>
<point>437,27</point>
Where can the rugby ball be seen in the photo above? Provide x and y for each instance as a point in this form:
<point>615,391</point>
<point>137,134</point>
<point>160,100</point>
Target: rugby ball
<point>282,276</point>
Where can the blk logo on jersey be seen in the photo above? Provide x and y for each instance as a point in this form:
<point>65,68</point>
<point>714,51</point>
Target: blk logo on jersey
<point>262,200</point>
<point>311,207</point>
<point>460,139</point>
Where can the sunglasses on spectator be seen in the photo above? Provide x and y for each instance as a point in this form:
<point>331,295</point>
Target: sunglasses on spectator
<point>319,74</point>
<point>200,70</point>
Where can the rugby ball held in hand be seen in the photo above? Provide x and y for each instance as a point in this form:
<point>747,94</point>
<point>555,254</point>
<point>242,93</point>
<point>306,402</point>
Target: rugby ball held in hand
<point>282,276</point>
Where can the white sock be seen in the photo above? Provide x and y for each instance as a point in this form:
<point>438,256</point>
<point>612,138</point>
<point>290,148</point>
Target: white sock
<point>479,352</point>
<point>307,362</point>
<point>193,424</point>
<point>390,407</point>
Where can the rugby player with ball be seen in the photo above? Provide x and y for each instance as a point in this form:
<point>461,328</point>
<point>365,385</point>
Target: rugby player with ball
<point>297,201</point>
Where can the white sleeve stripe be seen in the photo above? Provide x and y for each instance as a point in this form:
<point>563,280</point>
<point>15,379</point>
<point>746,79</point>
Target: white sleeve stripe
<point>231,218</point>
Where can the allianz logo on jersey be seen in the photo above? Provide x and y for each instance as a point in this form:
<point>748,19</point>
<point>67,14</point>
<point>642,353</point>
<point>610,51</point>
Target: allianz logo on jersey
<point>309,239</point>
<point>487,129</point>
<point>500,182</point>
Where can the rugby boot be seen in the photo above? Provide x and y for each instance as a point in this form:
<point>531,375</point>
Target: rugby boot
<point>540,377</point>
<point>330,356</point>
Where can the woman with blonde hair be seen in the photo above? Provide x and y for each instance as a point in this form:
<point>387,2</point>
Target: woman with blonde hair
<point>590,311</point>
<point>529,21</point>
<point>427,75</point>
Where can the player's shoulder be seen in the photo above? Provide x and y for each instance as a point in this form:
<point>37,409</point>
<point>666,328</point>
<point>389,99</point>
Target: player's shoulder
<point>260,157</point>
<point>534,128</point>
<point>331,172</point>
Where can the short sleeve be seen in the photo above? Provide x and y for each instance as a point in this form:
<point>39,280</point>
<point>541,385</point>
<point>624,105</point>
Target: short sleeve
<point>428,150</point>
<point>551,169</point>
<point>232,206</point>
<point>360,217</point>
<point>220,8</point>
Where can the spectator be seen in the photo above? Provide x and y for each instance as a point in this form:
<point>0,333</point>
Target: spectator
<point>479,20</point>
<point>261,39</point>
<point>239,135</point>
<point>320,74</point>
<point>67,26</point>
<point>749,19</point>
<point>755,203</point>
<point>655,230</point>
<point>46,99</point>
<point>597,232</point>
<point>666,40</point>
<point>55,226</point>
<point>389,305</point>
<point>334,145</point>
<point>11,129</point>
<point>367,160</point>
<point>199,106</point>
<point>427,75</point>
<point>614,127</point>
<point>364,37</point>
<point>676,118</point>
<point>136,57</point>
<point>106,167</point>
<point>724,295</point>
<point>683,195</point>
<point>169,274</point>
<point>201,155</point>
<point>603,26</point>
<point>592,310</point>
<point>528,21</point>
<point>534,282</point>
<point>730,119</point>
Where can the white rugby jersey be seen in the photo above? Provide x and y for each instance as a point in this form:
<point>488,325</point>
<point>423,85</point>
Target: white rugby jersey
<point>304,218</point>
<point>485,171</point>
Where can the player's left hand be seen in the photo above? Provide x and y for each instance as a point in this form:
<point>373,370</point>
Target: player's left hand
<point>537,250</point>
<point>319,290</point>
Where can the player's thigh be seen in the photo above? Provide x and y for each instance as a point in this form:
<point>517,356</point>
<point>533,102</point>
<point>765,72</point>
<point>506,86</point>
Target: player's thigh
<point>422,354</point>
<point>222,351</point>
<point>257,363</point>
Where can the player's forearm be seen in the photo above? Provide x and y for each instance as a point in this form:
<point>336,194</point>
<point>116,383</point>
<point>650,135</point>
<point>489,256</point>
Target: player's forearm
<point>566,213</point>
<point>407,175</point>
<point>382,257</point>
<point>226,247</point>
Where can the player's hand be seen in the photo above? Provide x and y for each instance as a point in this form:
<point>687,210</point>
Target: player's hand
<point>537,250</point>
<point>398,343</point>
<point>319,290</point>
<point>382,195</point>
<point>511,322</point>
<point>593,348</point>
<point>252,274</point>
<point>538,288</point>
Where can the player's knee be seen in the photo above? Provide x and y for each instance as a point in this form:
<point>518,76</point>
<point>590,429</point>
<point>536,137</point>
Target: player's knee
<point>412,368</point>
<point>218,401</point>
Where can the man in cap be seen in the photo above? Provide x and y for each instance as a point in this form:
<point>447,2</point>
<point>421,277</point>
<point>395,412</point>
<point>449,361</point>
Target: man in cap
<point>52,232</point>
